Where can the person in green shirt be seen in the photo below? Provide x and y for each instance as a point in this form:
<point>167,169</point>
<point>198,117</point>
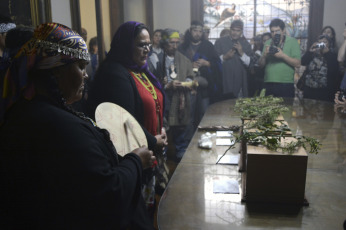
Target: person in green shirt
<point>281,55</point>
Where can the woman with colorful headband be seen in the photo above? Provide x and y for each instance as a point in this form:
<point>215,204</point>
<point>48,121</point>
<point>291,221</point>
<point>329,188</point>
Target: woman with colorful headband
<point>124,79</point>
<point>58,170</point>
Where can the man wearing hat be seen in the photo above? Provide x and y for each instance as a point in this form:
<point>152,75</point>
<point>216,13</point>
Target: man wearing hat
<point>236,55</point>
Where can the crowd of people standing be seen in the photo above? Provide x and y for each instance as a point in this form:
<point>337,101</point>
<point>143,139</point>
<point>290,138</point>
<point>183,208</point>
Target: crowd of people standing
<point>66,173</point>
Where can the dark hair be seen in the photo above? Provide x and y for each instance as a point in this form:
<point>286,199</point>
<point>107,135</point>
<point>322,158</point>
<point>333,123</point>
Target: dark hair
<point>197,23</point>
<point>5,19</point>
<point>332,43</point>
<point>266,34</point>
<point>329,39</point>
<point>188,35</point>
<point>92,43</point>
<point>237,23</point>
<point>17,37</point>
<point>139,29</point>
<point>158,30</point>
<point>224,32</point>
<point>277,22</point>
<point>258,43</point>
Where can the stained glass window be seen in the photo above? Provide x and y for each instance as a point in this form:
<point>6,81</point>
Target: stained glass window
<point>256,15</point>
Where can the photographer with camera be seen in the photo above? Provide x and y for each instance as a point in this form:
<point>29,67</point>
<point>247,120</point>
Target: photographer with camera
<point>281,55</point>
<point>320,75</point>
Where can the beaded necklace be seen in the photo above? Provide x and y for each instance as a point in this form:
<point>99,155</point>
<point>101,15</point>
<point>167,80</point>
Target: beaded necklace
<point>143,79</point>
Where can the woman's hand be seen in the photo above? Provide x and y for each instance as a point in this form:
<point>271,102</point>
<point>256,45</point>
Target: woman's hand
<point>164,136</point>
<point>146,156</point>
<point>161,140</point>
<point>337,101</point>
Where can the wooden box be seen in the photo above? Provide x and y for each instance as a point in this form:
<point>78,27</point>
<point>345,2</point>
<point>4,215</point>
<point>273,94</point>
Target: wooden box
<point>274,176</point>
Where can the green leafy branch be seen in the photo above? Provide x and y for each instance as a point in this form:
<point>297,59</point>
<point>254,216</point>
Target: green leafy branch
<point>274,142</point>
<point>260,113</point>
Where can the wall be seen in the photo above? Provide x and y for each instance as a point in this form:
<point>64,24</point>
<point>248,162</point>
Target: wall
<point>335,16</point>
<point>88,20</point>
<point>134,10</point>
<point>172,14</point>
<point>61,12</point>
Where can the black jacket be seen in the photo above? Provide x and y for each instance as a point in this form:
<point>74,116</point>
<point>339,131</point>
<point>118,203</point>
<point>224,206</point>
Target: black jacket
<point>59,172</point>
<point>113,83</point>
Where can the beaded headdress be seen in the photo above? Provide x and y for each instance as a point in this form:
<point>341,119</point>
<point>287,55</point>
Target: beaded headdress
<point>52,45</point>
<point>56,45</point>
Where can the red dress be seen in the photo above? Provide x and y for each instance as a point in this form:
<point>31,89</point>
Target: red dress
<point>152,103</point>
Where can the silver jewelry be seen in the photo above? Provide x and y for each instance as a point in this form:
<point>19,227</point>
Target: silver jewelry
<point>80,54</point>
<point>173,74</point>
<point>4,27</point>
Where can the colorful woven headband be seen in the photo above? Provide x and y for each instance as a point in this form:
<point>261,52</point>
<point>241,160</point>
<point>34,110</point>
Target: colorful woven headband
<point>5,27</point>
<point>170,34</point>
<point>52,45</point>
<point>56,45</point>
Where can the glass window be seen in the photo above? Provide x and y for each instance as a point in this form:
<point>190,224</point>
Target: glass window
<point>256,15</point>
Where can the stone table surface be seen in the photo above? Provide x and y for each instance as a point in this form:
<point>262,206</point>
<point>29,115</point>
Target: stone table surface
<point>190,203</point>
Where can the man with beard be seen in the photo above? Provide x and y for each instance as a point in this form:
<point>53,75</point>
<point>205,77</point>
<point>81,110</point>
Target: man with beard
<point>236,55</point>
<point>176,71</point>
<point>207,65</point>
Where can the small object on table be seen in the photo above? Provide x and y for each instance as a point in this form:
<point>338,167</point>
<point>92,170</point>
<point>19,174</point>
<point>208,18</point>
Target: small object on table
<point>205,141</point>
<point>219,128</point>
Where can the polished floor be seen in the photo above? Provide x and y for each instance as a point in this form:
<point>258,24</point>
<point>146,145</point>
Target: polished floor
<point>190,203</point>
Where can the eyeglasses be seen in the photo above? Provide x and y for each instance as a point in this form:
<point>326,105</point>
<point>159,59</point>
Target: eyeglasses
<point>144,45</point>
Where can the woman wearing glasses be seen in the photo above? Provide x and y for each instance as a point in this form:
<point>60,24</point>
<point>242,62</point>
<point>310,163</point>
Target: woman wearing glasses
<point>124,79</point>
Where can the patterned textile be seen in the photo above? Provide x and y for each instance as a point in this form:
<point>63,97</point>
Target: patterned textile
<point>53,45</point>
<point>316,76</point>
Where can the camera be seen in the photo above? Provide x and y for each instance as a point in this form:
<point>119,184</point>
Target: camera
<point>276,42</point>
<point>342,95</point>
<point>320,45</point>
<point>273,50</point>
<point>276,39</point>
